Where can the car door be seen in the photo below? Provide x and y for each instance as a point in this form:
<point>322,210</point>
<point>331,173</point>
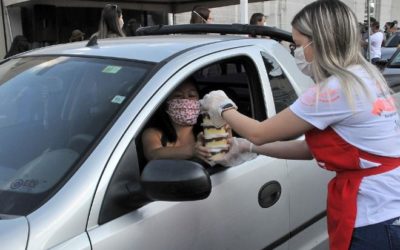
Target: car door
<point>392,72</point>
<point>307,182</point>
<point>248,207</point>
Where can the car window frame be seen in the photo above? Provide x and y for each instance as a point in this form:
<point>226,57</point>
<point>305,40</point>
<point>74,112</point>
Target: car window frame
<point>167,87</point>
<point>393,59</point>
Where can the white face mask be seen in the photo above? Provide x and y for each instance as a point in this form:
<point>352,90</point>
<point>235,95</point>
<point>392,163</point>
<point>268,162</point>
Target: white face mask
<point>301,61</point>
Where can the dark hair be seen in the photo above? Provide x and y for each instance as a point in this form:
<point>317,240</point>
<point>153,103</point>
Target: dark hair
<point>109,25</point>
<point>256,17</point>
<point>392,24</point>
<point>19,44</point>
<point>131,27</point>
<point>372,19</point>
<point>162,122</point>
<point>200,14</point>
<point>375,25</point>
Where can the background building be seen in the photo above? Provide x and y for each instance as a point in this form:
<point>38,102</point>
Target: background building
<point>46,22</point>
<point>281,12</point>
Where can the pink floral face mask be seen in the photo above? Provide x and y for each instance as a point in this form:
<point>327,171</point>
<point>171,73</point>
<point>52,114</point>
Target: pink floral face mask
<point>183,112</point>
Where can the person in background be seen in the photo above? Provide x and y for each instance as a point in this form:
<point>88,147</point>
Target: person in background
<point>258,19</point>
<point>131,26</point>
<point>77,36</point>
<point>111,22</point>
<point>201,14</point>
<point>376,42</point>
<point>173,132</point>
<point>19,44</point>
<point>351,126</point>
<point>389,29</point>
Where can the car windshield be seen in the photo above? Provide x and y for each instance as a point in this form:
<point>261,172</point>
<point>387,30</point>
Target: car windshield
<point>52,109</point>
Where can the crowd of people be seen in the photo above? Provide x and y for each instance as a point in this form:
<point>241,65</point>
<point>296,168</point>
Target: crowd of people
<point>111,25</point>
<point>377,38</point>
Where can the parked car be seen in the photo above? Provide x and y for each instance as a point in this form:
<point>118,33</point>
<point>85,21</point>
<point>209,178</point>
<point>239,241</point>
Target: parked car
<point>390,46</point>
<point>71,164</point>
<point>391,72</point>
<point>394,40</point>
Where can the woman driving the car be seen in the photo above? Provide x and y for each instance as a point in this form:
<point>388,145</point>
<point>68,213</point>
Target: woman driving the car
<point>173,130</point>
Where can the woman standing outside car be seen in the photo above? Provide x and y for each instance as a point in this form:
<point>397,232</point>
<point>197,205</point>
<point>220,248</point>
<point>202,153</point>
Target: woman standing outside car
<point>111,22</point>
<point>351,126</point>
<point>257,19</point>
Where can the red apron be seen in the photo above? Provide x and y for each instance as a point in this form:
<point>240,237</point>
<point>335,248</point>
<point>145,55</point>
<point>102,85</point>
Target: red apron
<point>335,154</point>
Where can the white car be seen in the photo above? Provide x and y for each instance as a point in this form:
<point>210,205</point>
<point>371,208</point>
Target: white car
<point>71,161</point>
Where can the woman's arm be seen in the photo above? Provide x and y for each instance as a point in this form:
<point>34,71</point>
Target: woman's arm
<point>152,148</point>
<point>284,125</point>
<point>292,150</point>
<point>242,150</point>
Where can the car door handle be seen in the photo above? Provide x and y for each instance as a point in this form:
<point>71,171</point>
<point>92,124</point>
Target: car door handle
<point>269,194</point>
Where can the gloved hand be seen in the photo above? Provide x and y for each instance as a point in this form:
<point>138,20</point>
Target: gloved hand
<point>214,103</point>
<point>239,152</point>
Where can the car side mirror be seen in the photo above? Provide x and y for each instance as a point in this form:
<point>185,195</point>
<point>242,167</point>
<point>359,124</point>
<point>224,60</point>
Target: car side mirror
<point>381,64</point>
<point>175,180</point>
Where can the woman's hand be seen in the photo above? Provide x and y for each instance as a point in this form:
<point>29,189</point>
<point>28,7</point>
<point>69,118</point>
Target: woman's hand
<point>214,103</point>
<point>199,150</point>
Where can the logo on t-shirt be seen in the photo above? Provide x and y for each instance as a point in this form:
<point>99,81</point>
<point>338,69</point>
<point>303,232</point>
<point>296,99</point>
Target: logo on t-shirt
<point>383,105</point>
<point>327,95</point>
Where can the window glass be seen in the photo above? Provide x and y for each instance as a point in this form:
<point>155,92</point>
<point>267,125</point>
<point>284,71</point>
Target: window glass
<point>282,90</point>
<point>395,63</point>
<point>392,74</point>
<point>52,109</point>
<point>394,40</point>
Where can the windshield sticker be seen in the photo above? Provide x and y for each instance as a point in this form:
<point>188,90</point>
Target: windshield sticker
<point>110,69</point>
<point>118,99</point>
<point>27,185</point>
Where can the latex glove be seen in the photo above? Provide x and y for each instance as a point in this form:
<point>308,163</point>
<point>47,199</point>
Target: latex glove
<point>214,103</point>
<point>239,152</point>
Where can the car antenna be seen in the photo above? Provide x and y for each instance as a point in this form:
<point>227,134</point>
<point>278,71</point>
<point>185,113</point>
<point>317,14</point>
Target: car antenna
<point>92,41</point>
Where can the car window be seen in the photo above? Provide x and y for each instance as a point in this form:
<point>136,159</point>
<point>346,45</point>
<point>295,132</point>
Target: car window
<point>282,90</point>
<point>52,109</point>
<point>238,77</point>
<point>233,76</point>
<point>395,61</point>
<point>394,40</point>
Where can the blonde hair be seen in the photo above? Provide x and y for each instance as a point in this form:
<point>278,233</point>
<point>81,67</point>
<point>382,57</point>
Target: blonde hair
<point>333,29</point>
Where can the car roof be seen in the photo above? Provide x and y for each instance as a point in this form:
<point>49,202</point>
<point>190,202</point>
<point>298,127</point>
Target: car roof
<point>144,48</point>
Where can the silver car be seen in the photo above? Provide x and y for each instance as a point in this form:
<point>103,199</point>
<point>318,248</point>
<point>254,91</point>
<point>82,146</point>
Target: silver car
<point>72,173</point>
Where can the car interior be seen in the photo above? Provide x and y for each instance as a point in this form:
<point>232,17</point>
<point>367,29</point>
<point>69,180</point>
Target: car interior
<point>233,77</point>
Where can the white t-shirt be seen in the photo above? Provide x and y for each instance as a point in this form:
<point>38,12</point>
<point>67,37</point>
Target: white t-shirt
<point>376,44</point>
<point>372,125</point>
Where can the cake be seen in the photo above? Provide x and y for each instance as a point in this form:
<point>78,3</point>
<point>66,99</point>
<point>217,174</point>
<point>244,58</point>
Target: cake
<point>217,153</point>
<point>215,139</point>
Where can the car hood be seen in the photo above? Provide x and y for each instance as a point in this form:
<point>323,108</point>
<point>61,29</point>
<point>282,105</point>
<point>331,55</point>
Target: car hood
<point>13,232</point>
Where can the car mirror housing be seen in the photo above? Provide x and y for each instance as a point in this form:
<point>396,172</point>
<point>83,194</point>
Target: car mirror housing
<point>175,180</point>
<point>381,64</point>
